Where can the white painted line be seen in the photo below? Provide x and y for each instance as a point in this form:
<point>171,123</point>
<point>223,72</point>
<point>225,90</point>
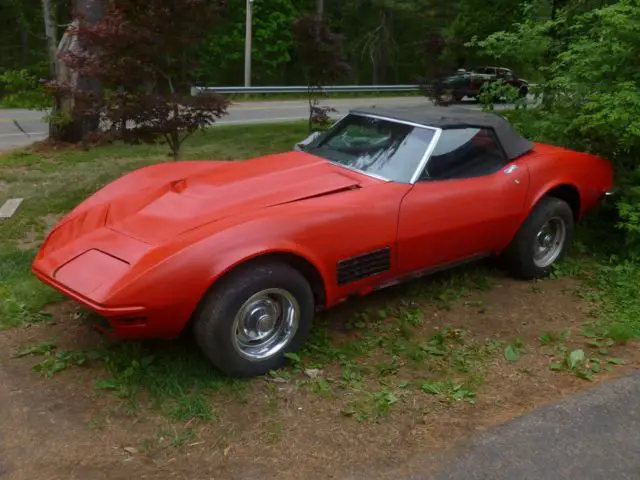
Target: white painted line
<point>9,208</point>
<point>3,135</point>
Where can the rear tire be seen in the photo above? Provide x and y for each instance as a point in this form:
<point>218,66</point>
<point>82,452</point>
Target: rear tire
<point>255,315</point>
<point>543,241</point>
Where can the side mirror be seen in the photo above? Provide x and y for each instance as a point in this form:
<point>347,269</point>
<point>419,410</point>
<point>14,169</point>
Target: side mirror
<point>315,136</point>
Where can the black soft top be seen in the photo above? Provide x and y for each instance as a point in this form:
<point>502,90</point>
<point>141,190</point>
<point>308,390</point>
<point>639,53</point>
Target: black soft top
<point>512,142</point>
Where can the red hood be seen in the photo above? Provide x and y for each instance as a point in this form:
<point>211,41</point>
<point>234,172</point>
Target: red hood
<point>158,213</point>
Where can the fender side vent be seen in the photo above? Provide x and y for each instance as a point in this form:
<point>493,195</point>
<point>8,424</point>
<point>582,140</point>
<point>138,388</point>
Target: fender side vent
<point>363,266</point>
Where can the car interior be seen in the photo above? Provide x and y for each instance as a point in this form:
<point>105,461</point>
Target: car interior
<point>464,153</point>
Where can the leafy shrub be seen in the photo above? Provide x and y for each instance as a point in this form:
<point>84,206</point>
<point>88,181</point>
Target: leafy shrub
<point>21,89</point>
<point>591,99</point>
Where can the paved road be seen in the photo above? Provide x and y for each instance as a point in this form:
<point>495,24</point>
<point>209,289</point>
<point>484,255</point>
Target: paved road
<point>591,436</point>
<point>239,113</point>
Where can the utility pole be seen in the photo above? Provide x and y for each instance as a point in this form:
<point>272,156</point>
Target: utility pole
<point>247,44</point>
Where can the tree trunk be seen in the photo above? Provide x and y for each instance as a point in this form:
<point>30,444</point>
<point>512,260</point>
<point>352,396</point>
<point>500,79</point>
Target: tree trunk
<point>174,145</point>
<point>83,124</point>
<point>51,33</point>
<point>80,124</point>
<point>24,43</point>
<point>310,99</point>
<point>320,9</point>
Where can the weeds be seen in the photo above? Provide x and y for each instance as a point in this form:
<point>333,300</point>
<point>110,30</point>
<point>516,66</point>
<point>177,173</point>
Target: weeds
<point>513,351</point>
<point>180,381</point>
<point>372,406</point>
<point>60,361</point>
<point>450,391</point>
<point>273,432</point>
<point>553,338</point>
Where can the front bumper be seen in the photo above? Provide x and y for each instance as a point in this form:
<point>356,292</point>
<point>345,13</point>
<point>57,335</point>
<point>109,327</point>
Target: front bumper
<point>131,322</point>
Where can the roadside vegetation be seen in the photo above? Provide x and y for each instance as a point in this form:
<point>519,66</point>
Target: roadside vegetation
<point>21,102</point>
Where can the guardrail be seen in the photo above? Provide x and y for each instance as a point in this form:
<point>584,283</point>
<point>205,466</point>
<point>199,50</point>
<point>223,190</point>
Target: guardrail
<point>305,88</point>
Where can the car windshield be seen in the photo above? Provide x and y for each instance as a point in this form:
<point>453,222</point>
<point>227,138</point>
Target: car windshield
<point>379,147</point>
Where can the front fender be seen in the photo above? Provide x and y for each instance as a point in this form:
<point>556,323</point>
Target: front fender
<point>181,273</point>
<point>321,231</point>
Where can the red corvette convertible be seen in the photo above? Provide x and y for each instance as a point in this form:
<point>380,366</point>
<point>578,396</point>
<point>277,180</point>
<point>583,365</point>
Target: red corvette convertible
<point>246,252</point>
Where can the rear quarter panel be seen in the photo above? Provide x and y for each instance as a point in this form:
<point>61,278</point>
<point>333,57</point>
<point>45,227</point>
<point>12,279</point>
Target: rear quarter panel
<point>550,166</point>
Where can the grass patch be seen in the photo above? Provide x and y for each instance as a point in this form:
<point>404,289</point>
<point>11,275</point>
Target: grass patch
<point>22,296</point>
<point>266,97</point>
<point>6,103</point>
<point>385,352</point>
<point>167,371</point>
<point>172,377</point>
<point>54,182</point>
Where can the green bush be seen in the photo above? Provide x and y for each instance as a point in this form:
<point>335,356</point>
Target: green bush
<point>22,89</point>
<point>590,100</point>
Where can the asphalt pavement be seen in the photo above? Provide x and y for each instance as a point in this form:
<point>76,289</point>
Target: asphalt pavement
<point>594,435</point>
<point>239,113</point>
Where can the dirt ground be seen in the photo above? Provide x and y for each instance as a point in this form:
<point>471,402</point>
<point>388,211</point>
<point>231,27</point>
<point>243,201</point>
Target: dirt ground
<point>62,428</point>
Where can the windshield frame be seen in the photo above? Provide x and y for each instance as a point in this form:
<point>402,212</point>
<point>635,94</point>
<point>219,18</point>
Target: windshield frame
<point>421,164</point>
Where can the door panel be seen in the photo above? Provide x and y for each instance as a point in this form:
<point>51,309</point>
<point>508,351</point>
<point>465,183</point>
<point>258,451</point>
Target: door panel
<point>449,220</point>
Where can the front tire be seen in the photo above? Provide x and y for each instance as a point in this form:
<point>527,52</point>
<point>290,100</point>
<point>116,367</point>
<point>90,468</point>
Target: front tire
<point>523,91</point>
<point>254,316</point>
<point>543,241</point>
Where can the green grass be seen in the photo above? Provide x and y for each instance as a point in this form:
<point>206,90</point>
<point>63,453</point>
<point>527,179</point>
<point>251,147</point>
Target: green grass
<point>53,183</point>
<point>22,296</point>
<point>266,97</point>
<point>171,377</point>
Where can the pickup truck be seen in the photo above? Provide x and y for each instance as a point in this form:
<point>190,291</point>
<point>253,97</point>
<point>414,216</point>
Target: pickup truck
<point>466,83</point>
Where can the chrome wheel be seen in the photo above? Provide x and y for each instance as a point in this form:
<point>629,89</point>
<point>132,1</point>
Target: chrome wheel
<point>447,97</point>
<point>549,242</point>
<point>265,324</point>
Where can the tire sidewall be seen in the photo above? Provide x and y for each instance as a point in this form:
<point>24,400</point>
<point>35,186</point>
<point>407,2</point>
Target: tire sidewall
<point>214,322</point>
<point>520,255</point>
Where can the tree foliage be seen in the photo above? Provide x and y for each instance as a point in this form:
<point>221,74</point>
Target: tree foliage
<point>221,51</point>
<point>320,53</point>
<point>591,94</point>
<point>138,53</point>
<point>383,38</point>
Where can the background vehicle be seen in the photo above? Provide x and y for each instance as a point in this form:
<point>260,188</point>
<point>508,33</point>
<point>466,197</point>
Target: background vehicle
<point>246,252</point>
<point>468,83</point>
